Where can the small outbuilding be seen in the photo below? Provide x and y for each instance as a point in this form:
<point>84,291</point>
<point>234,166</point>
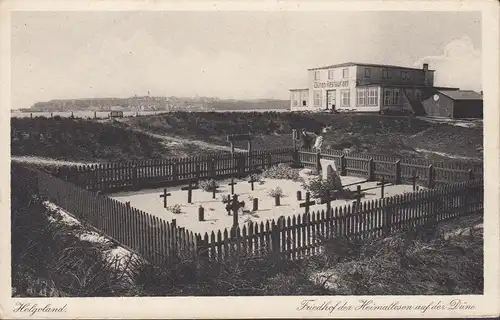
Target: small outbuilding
<point>454,104</point>
<point>116,114</point>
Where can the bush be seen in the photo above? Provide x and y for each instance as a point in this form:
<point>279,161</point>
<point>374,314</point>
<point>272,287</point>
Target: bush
<point>281,171</point>
<point>175,209</point>
<point>209,185</point>
<point>275,192</point>
<point>318,187</point>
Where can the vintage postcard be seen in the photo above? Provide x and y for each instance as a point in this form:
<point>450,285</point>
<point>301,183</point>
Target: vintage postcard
<point>298,159</point>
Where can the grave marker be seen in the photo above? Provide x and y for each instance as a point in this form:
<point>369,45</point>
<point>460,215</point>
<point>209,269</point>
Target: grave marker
<point>251,181</point>
<point>190,189</point>
<point>299,195</point>
<point>255,204</point>
<point>164,196</point>
<point>327,199</point>
<point>414,179</point>
<point>201,213</point>
<point>307,203</point>
<point>232,185</point>
<point>277,199</point>
<point>235,206</point>
<point>214,190</point>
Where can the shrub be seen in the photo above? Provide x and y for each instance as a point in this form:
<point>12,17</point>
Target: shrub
<point>281,171</point>
<point>275,192</point>
<point>209,185</point>
<point>176,209</point>
<point>318,187</point>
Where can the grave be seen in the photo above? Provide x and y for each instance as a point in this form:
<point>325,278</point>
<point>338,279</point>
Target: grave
<point>214,217</point>
<point>329,171</point>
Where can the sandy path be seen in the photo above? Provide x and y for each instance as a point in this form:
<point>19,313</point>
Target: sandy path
<point>169,140</point>
<point>46,161</point>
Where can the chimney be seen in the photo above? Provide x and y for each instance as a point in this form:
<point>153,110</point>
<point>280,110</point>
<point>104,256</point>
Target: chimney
<point>426,74</point>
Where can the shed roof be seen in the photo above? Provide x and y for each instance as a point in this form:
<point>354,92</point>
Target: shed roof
<point>461,94</point>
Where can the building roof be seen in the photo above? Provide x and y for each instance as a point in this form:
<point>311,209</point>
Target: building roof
<point>419,86</point>
<point>351,64</point>
<point>461,94</point>
<point>298,89</point>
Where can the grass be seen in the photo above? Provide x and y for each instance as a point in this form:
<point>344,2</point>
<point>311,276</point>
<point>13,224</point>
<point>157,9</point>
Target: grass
<point>91,140</point>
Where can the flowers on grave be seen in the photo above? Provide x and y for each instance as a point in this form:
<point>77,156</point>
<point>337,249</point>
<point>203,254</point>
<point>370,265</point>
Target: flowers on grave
<point>281,171</point>
<point>208,185</point>
<point>176,209</point>
<point>275,192</point>
<point>318,187</point>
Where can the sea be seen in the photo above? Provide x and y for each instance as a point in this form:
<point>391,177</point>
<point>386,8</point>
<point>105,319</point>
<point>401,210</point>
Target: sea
<point>105,114</point>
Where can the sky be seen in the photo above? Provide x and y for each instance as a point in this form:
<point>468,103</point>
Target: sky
<point>241,55</point>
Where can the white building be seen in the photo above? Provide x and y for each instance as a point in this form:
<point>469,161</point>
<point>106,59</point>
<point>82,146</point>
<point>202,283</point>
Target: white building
<point>363,87</point>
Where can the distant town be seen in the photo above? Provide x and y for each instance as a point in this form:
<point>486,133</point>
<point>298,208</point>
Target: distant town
<point>149,103</point>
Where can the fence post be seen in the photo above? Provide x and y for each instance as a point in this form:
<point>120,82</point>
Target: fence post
<point>342,165</point>
<point>242,164</point>
<point>318,160</point>
<point>212,168</point>
<point>135,175</point>
<point>387,216</point>
<point>430,182</point>
<point>269,160</point>
<point>276,241</point>
<point>397,172</point>
<point>174,171</point>
<point>470,174</point>
<point>201,248</point>
<point>371,172</point>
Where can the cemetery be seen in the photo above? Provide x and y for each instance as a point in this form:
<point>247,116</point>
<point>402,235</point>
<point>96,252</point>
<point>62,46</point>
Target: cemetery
<point>257,204</point>
<point>275,200</point>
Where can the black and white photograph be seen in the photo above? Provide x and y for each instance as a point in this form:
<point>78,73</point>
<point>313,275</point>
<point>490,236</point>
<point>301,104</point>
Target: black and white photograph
<point>249,153</point>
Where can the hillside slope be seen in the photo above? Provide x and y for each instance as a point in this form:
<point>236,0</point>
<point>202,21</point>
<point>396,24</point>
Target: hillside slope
<point>398,136</point>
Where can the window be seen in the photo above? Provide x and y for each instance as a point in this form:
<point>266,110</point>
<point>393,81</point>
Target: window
<point>368,73</point>
<point>344,98</point>
<point>386,73</point>
<point>372,96</point>
<point>418,94</point>
<point>330,74</point>
<point>366,97</point>
<point>391,97</point>
<point>409,93</point>
<point>405,75</point>
<point>345,73</point>
<point>317,98</point>
<point>316,75</point>
<point>305,98</point>
<point>361,97</point>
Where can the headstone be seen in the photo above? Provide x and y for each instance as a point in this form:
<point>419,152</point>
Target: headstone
<point>251,181</point>
<point>232,185</point>
<point>329,171</point>
<point>307,203</point>
<point>201,213</point>
<point>277,200</point>
<point>299,195</point>
<point>235,207</point>
<point>255,204</point>
<point>164,196</point>
<point>190,189</point>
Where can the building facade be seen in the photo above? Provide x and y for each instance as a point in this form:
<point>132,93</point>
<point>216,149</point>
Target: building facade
<point>362,87</point>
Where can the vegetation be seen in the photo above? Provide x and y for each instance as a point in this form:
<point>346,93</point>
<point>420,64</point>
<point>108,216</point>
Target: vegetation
<point>281,171</point>
<point>318,187</point>
<point>275,192</point>
<point>51,258</point>
<point>208,185</point>
<point>396,136</point>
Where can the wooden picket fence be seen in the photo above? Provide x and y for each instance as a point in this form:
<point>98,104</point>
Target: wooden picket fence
<point>303,235</point>
<point>397,170</point>
<point>136,175</point>
<point>156,240</point>
<point>132,175</point>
